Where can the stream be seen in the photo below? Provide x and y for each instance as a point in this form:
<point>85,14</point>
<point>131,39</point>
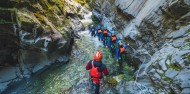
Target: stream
<point>72,77</point>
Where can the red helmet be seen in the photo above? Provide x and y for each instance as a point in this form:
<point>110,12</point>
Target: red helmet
<point>98,56</point>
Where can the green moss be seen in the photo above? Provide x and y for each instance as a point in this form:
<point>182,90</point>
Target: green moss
<point>157,92</point>
<point>175,66</point>
<point>170,58</point>
<point>188,31</point>
<point>82,2</point>
<point>40,17</point>
<point>186,57</point>
<point>91,4</point>
<point>166,78</point>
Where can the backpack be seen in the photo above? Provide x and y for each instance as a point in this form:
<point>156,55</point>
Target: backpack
<point>122,50</point>
<point>94,71</point>
<point>105,31</point>
<point>113,38</point>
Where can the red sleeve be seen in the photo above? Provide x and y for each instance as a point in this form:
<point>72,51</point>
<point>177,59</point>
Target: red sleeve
<point>88,66</point>
<point>106,71</point>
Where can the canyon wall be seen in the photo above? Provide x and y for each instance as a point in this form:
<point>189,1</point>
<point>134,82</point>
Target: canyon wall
<point>158,32</point>
<point>35,34</point>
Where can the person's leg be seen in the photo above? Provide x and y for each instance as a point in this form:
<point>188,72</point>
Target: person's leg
<point>97,88</point>
<point>91,34</point>
<point>104,39</point>
<point>98,36</point>
<point>120,60</point>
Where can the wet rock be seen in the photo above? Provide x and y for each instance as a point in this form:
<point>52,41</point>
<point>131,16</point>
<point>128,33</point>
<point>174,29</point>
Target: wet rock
<point>129,6</point>
<point>131,88</point>
<point>178,34</point>
<point>187,2</point>
<point>63,59</point>
<point>171,73</point>
<point>183,79</point>
<point>3,86</point>
<point>158,37</point>
<point>185,91</point>
<point>34,60</point>
<point>97,14</point>
<point>8,74</point>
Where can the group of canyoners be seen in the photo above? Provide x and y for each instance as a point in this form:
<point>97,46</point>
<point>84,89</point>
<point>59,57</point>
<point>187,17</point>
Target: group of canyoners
<point>95,66</point>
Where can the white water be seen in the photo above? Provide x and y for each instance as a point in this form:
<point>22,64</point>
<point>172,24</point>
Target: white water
<point>87,18</point>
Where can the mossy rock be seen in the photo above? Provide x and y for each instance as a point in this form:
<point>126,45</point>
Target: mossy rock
<point>8,15</point>
<point>27,26</point>
<point>7,3</point>
<point>26,21</point>
<point>82,2</point>
<point>111,81</point>
<point>6,27</point>
<point>175,66</point>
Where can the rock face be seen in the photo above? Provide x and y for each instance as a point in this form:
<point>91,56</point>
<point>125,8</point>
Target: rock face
<point>158,32</point>
<point>34,34</point>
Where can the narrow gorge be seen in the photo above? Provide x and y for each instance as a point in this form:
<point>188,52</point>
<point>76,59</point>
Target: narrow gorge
<point>45,46</point>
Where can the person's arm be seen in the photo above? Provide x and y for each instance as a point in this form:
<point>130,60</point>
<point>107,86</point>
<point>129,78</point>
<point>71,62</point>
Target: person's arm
<point>89,30</point>
<point>109,42</point>
<point>105,71</point>
<point>117,53</point>
<point>117,39</point>
<point>109,32</point>
<point>126,46</point>
<point>96,32</point>
<point>88,65</point>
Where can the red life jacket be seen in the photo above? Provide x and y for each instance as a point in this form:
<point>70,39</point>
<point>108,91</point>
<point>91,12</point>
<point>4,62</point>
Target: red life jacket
<point>113,38</point>
<point>122,50</point>
<point>94,71</point>
<point>105,31</point>
<point>99,30</point>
